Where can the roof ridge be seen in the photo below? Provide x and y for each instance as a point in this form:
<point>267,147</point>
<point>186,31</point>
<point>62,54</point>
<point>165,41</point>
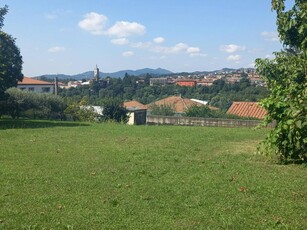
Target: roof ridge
<point>31,81</point>
<point>183,102</point>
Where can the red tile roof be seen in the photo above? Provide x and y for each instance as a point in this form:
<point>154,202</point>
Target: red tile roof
<point>31,81</point>
<point>179,104</point>
<point>134,104</point>
<point>247,109</point>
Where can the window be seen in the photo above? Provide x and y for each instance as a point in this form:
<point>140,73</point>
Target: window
<point>46,89</point>
<point>31,89</point>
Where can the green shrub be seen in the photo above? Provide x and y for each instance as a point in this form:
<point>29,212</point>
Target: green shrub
<point>163,110</point>
<point>206,112</point>
<point>34,105</point>
<point>77,112</point>
<point>113,110</point>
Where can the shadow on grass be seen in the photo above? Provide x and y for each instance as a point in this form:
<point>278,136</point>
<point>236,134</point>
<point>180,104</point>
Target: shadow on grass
<point>30,124</point>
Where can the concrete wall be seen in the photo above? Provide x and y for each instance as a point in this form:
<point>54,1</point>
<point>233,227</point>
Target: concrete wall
<point>197,121</point>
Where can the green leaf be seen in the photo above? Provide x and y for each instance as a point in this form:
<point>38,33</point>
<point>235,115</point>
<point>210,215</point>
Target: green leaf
<point>298,124</point>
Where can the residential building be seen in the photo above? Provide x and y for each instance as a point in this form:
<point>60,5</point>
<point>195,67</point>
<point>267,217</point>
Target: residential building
<point>137,116</point>
<point>134,105</point>
<point>37,86</point>
<point>206,81</point>
<point>137,112</point>
<point>190,83</point>
<point>247,109</point>
<point>179,104</point>
<point>158,81</point>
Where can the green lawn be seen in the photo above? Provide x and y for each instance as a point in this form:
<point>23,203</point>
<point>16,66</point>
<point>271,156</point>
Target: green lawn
<point>57,175</point>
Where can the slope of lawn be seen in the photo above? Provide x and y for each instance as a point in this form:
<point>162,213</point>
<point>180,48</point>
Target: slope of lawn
<point>60,175</point>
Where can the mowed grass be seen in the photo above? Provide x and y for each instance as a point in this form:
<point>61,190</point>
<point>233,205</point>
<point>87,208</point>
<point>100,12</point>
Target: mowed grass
<point>60,175</point>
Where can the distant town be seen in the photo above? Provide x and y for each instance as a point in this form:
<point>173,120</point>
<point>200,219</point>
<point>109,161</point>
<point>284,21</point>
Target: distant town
<point>230,76</point>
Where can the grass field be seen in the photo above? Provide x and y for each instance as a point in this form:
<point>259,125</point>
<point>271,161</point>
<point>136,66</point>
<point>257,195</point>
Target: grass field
<point>57,175</point>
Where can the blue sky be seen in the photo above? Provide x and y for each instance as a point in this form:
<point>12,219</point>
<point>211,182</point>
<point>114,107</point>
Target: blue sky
<point>72,36</point>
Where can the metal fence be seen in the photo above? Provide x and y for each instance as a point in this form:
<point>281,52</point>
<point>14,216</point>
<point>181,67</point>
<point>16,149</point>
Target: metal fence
<point>198,121</point>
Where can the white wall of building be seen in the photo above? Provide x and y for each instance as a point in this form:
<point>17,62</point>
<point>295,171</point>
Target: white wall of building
<point>37,88</point>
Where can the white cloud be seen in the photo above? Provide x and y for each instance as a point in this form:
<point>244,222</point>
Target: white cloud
<point>270,36</point>
<point>51,16</point>
<point>120,41</point>
<point>179,48</point>
<point>141,44</point>
<point>231,48</point>
<point>57,13</point>
<point>173,49</point>
<point>124,29</point>
<point>94,23</point>
<point>127,54</point>
<point>56,49</point>
<point>234,58</point>
<point>158,40</point>
<point>193,50</point>
<point>198,55</point>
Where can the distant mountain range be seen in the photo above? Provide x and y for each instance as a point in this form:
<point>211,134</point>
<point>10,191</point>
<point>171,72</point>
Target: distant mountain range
<point>120,74</point>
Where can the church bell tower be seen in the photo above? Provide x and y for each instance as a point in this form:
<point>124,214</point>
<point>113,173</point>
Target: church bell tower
<point>96,74</point>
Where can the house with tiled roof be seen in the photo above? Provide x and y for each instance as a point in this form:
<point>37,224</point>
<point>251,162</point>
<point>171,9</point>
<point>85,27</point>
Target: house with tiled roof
<point>134,105</point>
<point>137,112</point>
<point>189,83</point>
<point>33,85</point>
<point>247,109</point>
<point>179,104</point>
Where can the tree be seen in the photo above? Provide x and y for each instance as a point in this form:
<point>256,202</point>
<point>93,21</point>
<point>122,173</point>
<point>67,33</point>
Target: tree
<point>286,79</point>
<point>199,111</point>
<point>205,112</point>
<point>79,112</point>
<point>221,101</point>
<point>3,12</point>
<point>34,105</point>
<point>162,110</point>
<point>10,60</point>
<point>113,110</point>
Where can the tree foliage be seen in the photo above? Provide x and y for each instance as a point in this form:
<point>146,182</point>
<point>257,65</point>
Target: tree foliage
<point>286,78</point>
<point>77,112</point>
<point>3,12</point>
<point>113,110</point>
<point>162,110</point>
<point>199,111</point>
<point>205,112</point>
<point>10,60</point>
<point>34,105</point>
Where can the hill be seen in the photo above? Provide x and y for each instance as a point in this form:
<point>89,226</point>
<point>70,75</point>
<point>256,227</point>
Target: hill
<point>140,72</point>
<point>118,74</point>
